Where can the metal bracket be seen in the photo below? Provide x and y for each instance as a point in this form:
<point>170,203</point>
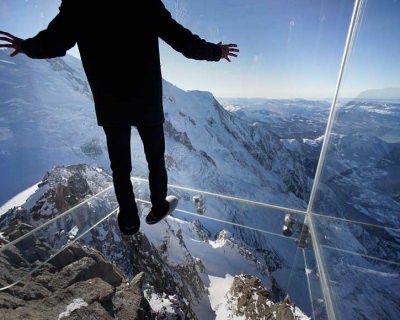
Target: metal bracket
<point>199,203</point>
<point>291,225</point>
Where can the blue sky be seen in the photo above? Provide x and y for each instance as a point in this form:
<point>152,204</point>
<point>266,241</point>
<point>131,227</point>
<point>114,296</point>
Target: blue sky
<point>288,48</point>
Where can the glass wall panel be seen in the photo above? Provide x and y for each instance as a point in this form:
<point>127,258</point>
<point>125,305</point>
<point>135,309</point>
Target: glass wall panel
<point>199,243</point>
<point>243,145</point>
<point>280,236</point>
<point>251,127</point>
<point>357,204</point>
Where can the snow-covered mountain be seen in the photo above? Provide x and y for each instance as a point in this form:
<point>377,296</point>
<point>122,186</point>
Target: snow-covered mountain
<point>265,152</point>
<point>361,173</point>
<point>47,115</point>
<point>47,119</point>
<point>189,272</point>
<point>392,93</point>
<point>288,118</point>
<point>360,182</point>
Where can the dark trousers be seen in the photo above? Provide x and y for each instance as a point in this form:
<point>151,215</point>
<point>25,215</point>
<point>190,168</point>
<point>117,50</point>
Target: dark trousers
<point>119,151</point>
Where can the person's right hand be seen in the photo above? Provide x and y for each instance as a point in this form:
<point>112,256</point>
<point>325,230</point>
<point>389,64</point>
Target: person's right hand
<point>11,42</point>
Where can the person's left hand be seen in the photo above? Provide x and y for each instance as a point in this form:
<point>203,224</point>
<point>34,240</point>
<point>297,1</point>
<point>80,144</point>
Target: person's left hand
<point>12,42</point>
<point>228,50</point>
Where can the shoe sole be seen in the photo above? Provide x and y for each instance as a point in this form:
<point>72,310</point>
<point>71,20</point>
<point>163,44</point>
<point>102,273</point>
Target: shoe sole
<point>173,202</point>
<point>128,231</point>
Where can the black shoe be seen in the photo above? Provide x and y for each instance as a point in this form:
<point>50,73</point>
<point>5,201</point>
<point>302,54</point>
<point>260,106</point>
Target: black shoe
<point>170,205</point>
<point>128,222</point>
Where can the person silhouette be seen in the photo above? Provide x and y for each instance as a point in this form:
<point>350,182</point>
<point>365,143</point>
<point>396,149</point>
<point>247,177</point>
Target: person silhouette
<point>119,50</point>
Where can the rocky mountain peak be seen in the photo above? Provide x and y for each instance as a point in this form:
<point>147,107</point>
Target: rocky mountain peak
<point>77,283</point>
<point>106,274</point>
<point>250,299</point>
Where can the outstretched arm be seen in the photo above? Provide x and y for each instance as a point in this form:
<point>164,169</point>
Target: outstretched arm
<point>54,41</point>
<point>184,41</point>
<point>228,50</point>
<point>11,42</point>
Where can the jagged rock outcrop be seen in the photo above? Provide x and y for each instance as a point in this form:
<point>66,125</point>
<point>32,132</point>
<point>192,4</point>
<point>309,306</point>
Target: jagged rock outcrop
<point>249,299</point>
<point>79,283</point>
<point>61,188</point>
<point>162,281</point>
<point>169,263</point>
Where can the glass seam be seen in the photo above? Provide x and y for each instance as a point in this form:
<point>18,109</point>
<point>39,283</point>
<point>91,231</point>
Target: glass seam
<point>350,37</point>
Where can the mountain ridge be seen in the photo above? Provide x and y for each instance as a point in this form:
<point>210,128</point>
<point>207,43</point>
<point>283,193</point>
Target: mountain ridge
<point>179,276</point>
<point>267,153</point>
